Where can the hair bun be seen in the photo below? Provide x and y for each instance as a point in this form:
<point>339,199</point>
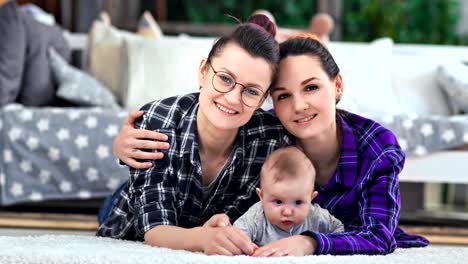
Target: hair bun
<point>264,22</point>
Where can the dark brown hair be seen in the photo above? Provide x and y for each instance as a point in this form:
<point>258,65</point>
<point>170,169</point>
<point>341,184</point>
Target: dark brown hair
<point>257,37</point>
<point>301,46</point>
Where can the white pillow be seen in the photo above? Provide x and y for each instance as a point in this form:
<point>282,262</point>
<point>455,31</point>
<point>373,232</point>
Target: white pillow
<point>366,76</point>
<point>105,55</point>
<point>162,68</point>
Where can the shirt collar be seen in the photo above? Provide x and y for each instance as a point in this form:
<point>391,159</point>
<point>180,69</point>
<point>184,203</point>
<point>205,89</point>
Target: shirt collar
<point>189,143</point>
<point>346,172</point>
<point>240,145</point>
<point>188,132</point>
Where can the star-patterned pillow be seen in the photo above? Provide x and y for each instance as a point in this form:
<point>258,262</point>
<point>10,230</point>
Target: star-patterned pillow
<point>77,86</point>
<point>50,153</point>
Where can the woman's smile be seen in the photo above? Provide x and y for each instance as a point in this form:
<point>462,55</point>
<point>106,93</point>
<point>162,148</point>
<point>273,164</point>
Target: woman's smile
<point>226,110</point>
<point>304,121</point>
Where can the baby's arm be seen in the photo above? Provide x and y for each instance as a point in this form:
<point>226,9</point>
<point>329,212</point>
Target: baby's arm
<point>335,225</point>
<point>327,222</point>
<point>246,223</point>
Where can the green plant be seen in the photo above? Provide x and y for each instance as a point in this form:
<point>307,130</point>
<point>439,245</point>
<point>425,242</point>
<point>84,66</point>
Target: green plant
<point>292,13</point>
<point>405,21</point>
<point>414,21</point>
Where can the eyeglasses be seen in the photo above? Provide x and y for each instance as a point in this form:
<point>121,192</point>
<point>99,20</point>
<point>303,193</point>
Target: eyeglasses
<point>223,82</point>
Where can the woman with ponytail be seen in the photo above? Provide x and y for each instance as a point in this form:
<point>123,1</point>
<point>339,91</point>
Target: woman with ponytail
<point>218,139</point>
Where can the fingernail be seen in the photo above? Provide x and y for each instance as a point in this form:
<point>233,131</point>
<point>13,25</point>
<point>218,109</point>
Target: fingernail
<point>166,145</point>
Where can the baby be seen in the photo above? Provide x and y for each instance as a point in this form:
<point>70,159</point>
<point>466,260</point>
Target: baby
<point>286,191</point>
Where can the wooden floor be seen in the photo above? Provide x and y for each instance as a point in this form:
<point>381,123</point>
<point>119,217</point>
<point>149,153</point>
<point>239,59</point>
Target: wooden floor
<point>48,220</point>
<point>88,223</point>
<point>440,235</point>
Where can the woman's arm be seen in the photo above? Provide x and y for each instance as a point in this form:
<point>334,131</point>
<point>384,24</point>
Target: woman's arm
<point>210,240</point>
<point>153,195</point>
<point>372,231</point>
<point>128,143</point>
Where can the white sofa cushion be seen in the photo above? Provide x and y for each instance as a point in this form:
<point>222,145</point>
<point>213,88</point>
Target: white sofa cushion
<point>414,81</point>
<point>366,76</point>
<point>161,68</point>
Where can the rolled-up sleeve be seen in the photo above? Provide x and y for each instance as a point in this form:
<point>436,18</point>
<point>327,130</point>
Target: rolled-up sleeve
<point>153,192</point>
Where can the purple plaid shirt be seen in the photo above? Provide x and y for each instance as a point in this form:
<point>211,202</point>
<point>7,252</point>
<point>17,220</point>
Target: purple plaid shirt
<point>364,193</point>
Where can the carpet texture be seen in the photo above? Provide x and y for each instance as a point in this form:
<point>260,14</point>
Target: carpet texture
<point>87,249</point>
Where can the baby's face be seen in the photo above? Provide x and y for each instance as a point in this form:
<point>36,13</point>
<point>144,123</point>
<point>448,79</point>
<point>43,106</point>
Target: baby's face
<point>286,203</point>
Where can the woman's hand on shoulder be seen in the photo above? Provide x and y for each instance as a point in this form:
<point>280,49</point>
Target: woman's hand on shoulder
<point>128,143</point>
<point>298,245</point>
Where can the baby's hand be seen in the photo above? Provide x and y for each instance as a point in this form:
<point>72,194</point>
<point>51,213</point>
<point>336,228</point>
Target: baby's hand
<point>255,247</point>
<point>290,246</point>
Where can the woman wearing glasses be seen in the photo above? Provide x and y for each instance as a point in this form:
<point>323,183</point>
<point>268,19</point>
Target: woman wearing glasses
<point>218,141</point>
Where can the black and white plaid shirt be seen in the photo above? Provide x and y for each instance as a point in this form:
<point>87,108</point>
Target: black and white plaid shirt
<point>171,191</point>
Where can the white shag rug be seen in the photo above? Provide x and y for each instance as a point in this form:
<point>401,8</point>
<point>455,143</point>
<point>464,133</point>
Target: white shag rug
<point>87,249</point>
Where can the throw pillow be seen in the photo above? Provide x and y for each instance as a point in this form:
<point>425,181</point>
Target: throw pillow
<point>12,53</point>
<point>38,88</point>
<point>162,68</point>
<point>453,79</point>
<point>105,55</point>
<point>148,27</point>
<point>77,86</point>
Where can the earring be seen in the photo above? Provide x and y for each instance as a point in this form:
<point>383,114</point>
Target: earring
<point>337,99</point>
<point>199,88</point>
